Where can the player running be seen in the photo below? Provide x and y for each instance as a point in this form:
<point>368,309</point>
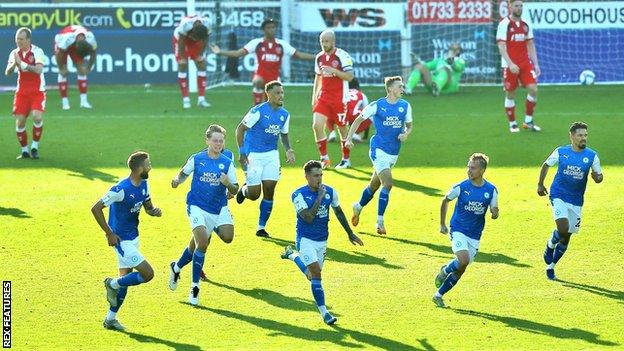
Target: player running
<point>392,117</point>
<point>77,42</point>
<point>519,62</point>
<point>312,202</point>
<point>474,195</point>
<point>27,59</point>
<point>125,201</point>
<point>269,52</point>
<point>575,161</point>
<point>189,42</point>
<point>257,136</point>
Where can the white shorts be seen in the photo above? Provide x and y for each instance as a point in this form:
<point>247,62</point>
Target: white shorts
<point>128,254</point>
<point>199,217</point>
<point>312,251</point>
<point>263,166</point>
<point>562,209</point>
<point>382,160</point>
<point>459,241</point>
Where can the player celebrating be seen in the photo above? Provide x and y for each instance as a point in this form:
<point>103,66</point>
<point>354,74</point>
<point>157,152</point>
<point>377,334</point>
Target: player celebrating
<point>269,51</point>
<point>256,136</point>
<point>440,75</point>
<point>474,195</point>
<point>392,117</point>
<point>357,102</point>
<point>30,93</point>
<point>334,69</point>
<point>213,177</point>
<point>312,203</point>
<point>567,190</point>
<point>125,200</point>
<point>77,42</point>
<point>519,62</point>
<point>189,42</point>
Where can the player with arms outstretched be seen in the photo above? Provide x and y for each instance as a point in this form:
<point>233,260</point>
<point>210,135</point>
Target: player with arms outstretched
<point>189,42</point>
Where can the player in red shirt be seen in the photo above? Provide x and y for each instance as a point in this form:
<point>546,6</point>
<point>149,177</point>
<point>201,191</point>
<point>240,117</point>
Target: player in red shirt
<point>334,69</point>
<point>357,102</point>
<point>269,52</point>
<point>77,42</point>
<point>189,42</point>
<point>519,61</point>
<point>27,59</point>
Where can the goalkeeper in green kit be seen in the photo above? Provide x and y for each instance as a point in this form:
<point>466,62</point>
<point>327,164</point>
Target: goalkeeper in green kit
<point>440,75</point>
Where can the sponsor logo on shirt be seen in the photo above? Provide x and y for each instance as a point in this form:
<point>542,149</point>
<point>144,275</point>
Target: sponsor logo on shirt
<point>273,129</point>
<point>322,211</point>
<point>393,122</point>
<point>574,171</point>
<point>210,178</point>
<point>137,207</point>
<point>476,207</point>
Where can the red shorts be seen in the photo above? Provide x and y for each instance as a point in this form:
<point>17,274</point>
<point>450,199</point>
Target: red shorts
<point>23,103</point>
<point>363,126</point>
<point>334,111</point>
<point>192,49</point>
<point>526,76</point>
<point>71,52</point>
<point>265,76</point>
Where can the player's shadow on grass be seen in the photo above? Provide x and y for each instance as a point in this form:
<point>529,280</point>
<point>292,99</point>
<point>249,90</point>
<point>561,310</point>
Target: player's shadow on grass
<point>154,340</point>
<point>612,294</point>
<point>403,184</point>
<point>481,256</point>
<point>344,257</point>
<point>337,336</point>
<point>541,328</point>
<point>91,174</point>
<point>13,212</point>
<point>273,298</point>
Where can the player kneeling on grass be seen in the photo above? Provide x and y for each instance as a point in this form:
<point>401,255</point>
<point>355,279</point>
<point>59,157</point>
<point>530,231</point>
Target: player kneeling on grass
<point>474,195</point>
<point>440,75</point>
<point>125,200</point>
<point>213,177</point>
<point>312,203</point>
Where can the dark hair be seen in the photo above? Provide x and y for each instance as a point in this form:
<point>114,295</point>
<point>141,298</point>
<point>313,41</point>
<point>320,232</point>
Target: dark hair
<point>214,128</point>
<point>270,85</point>
<point>455,47</point>
<point>83,48</point>
<point>200,32</point>
<point>24,29</point>
<point>312,164</point>
<point>481,158</point>
<point>576,126</point>
<point>136,159</point>
<point>388,81</point>
<point>354,84</point>
<point>266,22</point>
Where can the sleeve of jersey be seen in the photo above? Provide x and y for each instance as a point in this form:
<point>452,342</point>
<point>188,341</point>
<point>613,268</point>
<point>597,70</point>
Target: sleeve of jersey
<point>11,59</point>
<point>39,56</point>
<point>288,49</point>
<point>299,202</point>
<point>370,110</point>
<point>286,125</point>
<point>408,115</point>
<point>530,33</point>
<point>501,31</point>
<point>251,45</point>
<point>335,203</point>
<point>113,195</point>
<point>65,40</point>
<point>494,202</point>
<point>453,193</point>
<point>148,197</point>
<point>317,69</point>
<point>91,40</point>
<point>189,167</point>
<point>553,159</point>
<point>231,174</point>
<point>345,60</point>
<point>596,165</point>
<point>251,117</point>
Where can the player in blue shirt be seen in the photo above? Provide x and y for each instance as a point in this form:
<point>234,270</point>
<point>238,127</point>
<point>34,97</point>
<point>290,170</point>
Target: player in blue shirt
<point>125,201</point>
<point>567,190</point>
<point>213,177</point>
<point>257,136</point>
<point>474,195</point>
<point>312,203</point>
<point>392,117</point>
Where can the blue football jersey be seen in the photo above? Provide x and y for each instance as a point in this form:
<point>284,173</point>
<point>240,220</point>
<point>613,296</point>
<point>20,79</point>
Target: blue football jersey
<point>125,201</point>
<point>303,198</point>
<point>472,203</point>
<point>389,120</point>
<point>265,125</point>
<point>571,178</point>
<point>207,192</point>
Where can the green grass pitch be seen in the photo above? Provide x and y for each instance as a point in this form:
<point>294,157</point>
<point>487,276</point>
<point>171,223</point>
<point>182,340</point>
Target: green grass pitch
<point>56,256</point>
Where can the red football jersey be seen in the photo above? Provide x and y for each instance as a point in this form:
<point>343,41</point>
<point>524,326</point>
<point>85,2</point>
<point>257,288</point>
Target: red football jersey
<point>515,34</point>
<point>334,89</point>
<point>28,82</point>
<point>357,102</point>
<point>269,55</point>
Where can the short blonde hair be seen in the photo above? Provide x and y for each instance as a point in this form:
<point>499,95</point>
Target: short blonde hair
<point>388,81</point>
<point>214,128</point>
<point>481,158</point>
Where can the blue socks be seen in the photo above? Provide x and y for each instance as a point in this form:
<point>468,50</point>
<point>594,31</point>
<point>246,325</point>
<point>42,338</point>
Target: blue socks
<point>317,292</point>
<point>299,262</point>
<point>451,266</point>
<point>198,264</point>
<point>554,239</point>
<point>266,207</point>
<point>131,279</point>
<point>560,249</point>
<point>367,195</point>
<point>384,197</point>
<point>187,256</point>
<point>449,283</point>
<point>121,295</point>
